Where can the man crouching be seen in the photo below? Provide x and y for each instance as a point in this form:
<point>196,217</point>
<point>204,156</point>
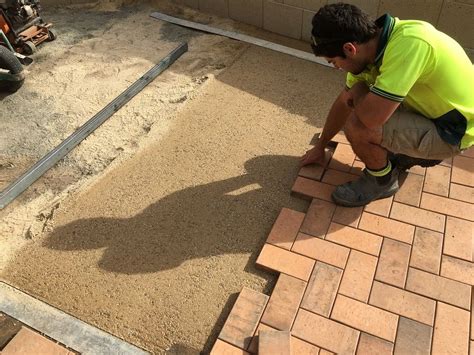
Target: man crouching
<point>390,62</point>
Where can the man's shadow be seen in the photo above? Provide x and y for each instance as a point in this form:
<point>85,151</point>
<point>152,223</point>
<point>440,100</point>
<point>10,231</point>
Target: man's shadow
<point>223,217</point>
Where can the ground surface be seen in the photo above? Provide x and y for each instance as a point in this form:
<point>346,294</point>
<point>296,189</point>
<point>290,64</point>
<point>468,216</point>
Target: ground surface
<point>154,249</point>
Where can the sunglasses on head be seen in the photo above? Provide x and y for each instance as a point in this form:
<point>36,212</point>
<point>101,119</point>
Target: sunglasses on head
<point>317,41</point>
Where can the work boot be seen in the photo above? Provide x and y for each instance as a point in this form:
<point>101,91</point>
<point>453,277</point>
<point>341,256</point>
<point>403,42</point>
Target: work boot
<point>364,190</point>
<point>404,162</point>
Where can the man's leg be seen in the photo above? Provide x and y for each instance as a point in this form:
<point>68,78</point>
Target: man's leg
<point>379,179</point>
<point>416,138</point>
<point>366,143</point>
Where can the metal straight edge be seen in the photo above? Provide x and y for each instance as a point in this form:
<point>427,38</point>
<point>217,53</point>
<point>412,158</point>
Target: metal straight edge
<point>61,326</point>
<point>241,37</point>
<point>50,159</point>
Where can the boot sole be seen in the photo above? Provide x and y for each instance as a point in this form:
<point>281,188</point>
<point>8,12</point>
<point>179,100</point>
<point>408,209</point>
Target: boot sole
<point>405,162</point>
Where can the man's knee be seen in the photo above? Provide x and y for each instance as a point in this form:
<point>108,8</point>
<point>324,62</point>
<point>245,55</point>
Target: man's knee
<point>357,132</point>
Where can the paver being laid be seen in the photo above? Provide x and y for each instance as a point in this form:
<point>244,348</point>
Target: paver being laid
<point>395,276</point>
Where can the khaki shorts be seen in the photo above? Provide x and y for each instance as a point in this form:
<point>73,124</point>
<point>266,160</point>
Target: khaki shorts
<point>409,133</point>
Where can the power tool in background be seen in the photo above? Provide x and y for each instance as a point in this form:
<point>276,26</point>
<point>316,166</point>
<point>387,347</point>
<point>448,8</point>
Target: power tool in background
<point>21,30</point>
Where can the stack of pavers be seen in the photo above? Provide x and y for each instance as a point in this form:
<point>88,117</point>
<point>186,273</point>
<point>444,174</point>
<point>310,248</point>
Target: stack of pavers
<point>395,276</point>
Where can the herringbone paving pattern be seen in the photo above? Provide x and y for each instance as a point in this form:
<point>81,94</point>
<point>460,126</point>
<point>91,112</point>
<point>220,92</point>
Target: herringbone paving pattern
<point>395,276</point>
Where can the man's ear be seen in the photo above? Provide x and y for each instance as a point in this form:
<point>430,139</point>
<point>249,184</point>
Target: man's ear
<point>349,49</point>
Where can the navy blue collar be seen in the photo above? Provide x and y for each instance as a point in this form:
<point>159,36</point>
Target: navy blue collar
<point>386,23</point>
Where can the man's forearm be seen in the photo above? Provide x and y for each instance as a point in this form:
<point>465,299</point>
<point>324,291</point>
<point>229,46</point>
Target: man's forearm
<point>336,119</point>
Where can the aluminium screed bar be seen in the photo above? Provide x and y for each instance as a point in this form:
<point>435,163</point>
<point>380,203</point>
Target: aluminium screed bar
<point>241,37</point>
<point>50,159</point>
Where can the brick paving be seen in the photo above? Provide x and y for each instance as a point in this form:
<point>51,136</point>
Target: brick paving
<point>17,339</point>
<point>395,276</point>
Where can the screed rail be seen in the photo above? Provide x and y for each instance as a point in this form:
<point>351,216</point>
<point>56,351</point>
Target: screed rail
<point>50,159</point>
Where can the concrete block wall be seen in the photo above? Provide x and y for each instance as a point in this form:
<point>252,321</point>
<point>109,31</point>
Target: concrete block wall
<point>292,18</point>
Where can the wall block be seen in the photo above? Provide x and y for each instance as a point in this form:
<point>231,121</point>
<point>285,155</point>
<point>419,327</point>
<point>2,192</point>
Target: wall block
<point>247,11</point>
<point>369,6</point>
<point>282,19</point>
<point>216,7</point>
<point>427,10</point>
<point>456,20</point>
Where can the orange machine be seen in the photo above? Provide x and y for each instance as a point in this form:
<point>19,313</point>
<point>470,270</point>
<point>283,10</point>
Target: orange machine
<point>23,26</point>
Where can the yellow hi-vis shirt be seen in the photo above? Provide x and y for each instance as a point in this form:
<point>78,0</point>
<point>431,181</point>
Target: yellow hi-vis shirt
<point>426,70</point>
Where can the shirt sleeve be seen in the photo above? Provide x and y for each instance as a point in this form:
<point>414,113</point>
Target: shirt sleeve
<point>402,67</point>
<point>352,79</point>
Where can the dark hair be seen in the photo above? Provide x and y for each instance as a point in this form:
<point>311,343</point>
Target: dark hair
<point>336,24</point>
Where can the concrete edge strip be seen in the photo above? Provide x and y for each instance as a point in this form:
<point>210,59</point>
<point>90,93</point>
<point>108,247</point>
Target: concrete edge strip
<point>241,37</point>
<point>61,326</point>
<point>49,160</point>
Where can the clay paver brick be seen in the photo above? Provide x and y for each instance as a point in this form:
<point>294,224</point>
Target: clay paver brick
<point>8,328</point>
<point>387,227</point>
<point>461,192</point>
<point>322,250</point>
<point>243,319</point>
<point>285,261</point>
<point>451,331</point>
<point>369,345</point>
<point>273,342</point>
<point>285,229</point>
<point>318,218</point>
<point>27,341</point>
<point>472,316</point>
<point>349,216</point>
<point>437,180</point>
<point>418,217</point>
<point>357,167</point>
<point>459,238</point>
<point>358,276</point>
<point>253,347</point>
<point>322,288</point>
<point>457,269</point>
<point>325,352</point>
<point>308,189</point>
<point>330,335</point>
<point>463,170</point>
<point>410,190</point>
<point>393,262</point>
<point>417,170</point>
<point>468,153</point>
<point>354,238</point>
<point>222,348</point>
<point>403,302</point>
<point>336,177</point>
<point>381,207</point>
<point>447,162</point>
<point>426,250</point>
<point>364,317</point>
<point>340,138</point>
<point>284,302</point>
<point>447,206</point>
<point>343,158</point>
<point>313,172</point>
<point>299,346</point>
<point>439,288</point>
<point>412,337</point>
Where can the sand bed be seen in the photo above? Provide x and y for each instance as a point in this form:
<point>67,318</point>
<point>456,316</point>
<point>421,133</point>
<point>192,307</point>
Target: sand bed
<point>155,249</point>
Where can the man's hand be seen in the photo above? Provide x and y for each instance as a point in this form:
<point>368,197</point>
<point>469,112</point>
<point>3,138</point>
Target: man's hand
<point>316,155</point>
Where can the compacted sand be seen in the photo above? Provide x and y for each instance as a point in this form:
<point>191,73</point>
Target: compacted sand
<point>155,249</point>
